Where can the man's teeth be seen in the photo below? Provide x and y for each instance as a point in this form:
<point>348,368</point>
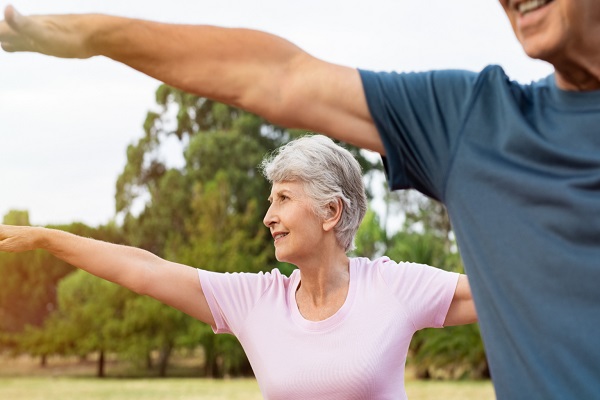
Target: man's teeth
<point>280,235</point>
<point>531,5</point>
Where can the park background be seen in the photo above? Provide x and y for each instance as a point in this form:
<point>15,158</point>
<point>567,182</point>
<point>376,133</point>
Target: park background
<point>98,149</point>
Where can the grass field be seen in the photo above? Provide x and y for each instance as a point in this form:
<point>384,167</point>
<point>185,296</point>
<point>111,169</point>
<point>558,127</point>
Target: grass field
<point>41,388</point>
<point>23,379</point>
<point>45,388</point>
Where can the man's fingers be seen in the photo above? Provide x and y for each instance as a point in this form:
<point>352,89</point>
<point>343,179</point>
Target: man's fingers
<point>12,17</point>
<point>56,35</point>
<point>5,30</point>
<point>16,44</point>
<point>12,32</point>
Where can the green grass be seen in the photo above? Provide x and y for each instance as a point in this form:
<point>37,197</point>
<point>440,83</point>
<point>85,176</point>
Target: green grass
<point>449,390</point>
<point>41,388</point>
<point>62,388</point>
<point>22,378</point>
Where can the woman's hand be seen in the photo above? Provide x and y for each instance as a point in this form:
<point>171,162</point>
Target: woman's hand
<point>16,239</point>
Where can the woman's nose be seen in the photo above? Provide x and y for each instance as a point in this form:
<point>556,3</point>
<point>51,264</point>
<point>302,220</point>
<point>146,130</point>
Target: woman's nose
<point>269,218</point>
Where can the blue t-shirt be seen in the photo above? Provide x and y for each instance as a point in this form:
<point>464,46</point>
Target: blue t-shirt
<point>518,168</point>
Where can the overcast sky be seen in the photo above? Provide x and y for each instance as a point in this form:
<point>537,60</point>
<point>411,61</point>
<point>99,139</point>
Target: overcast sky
<point>65,124</point>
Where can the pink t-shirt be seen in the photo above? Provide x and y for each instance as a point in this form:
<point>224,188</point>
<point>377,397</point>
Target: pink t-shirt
<point>358,353</point>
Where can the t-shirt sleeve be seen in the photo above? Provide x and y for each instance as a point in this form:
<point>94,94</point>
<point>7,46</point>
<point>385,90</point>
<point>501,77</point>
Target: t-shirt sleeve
<point>424,292</point>
<point>231,296</point>
<point>419,118</point>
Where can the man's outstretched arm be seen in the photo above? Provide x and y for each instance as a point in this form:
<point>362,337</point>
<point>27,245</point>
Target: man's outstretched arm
<point>253,70</point>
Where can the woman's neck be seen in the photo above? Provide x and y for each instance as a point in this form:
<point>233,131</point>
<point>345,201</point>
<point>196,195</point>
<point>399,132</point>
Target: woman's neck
<point>323,287</point>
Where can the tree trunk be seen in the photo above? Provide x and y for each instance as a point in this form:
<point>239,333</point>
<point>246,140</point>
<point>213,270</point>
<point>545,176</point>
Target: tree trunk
<point>149,364</point>
<point>163,360</point>
<point>100,373</point>
<point>211,368</point>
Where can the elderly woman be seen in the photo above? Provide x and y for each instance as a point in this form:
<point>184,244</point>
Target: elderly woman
<point>337,328</point>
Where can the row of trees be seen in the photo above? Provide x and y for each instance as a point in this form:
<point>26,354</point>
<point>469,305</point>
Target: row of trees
<point>206,212</point>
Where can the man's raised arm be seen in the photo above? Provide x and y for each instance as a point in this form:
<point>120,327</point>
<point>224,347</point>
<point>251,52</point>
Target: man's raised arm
<point>253,70</point>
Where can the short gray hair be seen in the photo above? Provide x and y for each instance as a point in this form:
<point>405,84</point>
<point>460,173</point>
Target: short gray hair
<point>329,172</point>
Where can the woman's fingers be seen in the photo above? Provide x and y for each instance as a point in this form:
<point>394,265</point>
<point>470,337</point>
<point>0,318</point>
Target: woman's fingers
<point>16,239</point>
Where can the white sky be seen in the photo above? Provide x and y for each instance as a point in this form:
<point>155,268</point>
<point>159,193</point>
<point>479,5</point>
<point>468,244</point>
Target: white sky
<point>65,124</point>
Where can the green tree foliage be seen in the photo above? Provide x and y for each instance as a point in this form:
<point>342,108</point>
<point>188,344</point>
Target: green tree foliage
<point>28,283</point>
<point>27,288</point>
<point>149,327</point>
<point>28,291</point>
<point>17,217</point>
<point>454,352</point>
<point>423,215</point>
<point>89,317</point>
<point>424,248</point>
<point>370,239</point>
<point>221,239</point>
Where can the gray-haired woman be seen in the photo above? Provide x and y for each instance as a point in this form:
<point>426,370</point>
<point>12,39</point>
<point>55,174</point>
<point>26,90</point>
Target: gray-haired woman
<point>337,328</point>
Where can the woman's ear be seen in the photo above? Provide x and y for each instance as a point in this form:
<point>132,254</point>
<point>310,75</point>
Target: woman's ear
<point>334,214</point>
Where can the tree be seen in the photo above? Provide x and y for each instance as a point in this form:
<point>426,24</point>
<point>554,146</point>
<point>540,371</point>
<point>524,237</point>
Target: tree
<point>89,316</point>
<point>17,217</point>
<point>370,239</point>
<point>28,284</point>
<point>149,325</point>
<point>454,352</point>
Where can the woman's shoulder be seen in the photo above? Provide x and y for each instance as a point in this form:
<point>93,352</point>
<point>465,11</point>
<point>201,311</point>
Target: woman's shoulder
<point>383,262</point>
<point>364,267</point>
<point>388,268</point>
<point>262,279</point>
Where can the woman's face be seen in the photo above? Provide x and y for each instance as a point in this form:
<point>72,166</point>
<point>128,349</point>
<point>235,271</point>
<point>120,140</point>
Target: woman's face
<point>294,226</point>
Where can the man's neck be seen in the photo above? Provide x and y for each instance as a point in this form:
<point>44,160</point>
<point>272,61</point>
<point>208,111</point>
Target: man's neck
<point>580,76</point>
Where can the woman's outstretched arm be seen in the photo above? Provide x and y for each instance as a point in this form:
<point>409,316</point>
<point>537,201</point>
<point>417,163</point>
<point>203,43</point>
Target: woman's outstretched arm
<point>174,284</point>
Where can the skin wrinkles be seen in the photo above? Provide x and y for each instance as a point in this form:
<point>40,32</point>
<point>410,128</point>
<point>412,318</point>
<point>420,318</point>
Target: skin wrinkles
<point>565,33</point>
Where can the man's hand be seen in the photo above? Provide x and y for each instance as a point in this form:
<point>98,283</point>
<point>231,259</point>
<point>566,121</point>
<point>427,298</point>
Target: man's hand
<point>16,239</point>
<point>64,36</point>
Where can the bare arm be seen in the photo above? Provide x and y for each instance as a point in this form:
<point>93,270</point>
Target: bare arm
<point>462,309</point>
<point>174,284</point>
<point>253,70</point>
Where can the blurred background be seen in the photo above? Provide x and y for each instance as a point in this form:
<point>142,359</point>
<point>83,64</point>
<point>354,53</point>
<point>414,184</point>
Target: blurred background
<point>95,148</point>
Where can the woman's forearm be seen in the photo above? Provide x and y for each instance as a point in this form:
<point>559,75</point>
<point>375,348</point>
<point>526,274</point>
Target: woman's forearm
<point>141,271</point>
<point>126,266</point>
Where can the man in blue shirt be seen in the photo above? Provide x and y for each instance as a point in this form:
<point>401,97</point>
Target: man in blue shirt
<point>518,166</point>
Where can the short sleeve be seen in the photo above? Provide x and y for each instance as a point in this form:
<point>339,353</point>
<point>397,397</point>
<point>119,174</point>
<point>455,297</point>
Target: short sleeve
<point>425,292</point>
<point>419,117</point>
<point>231,296</point>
